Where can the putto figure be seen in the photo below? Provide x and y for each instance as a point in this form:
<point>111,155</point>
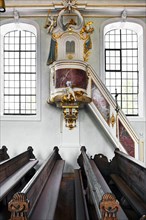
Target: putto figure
<point>69,90</point>
<point>51,23</point>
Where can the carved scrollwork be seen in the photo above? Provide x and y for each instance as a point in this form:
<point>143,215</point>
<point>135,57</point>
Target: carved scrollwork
<point>18,207</point>
<point>70,116</point>
<point>109,207</point>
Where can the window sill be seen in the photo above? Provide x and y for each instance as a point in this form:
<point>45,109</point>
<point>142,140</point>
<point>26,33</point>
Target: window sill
<point>136,119</point>
<point>20,117</point>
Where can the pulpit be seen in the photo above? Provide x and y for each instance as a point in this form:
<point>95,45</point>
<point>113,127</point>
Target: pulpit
<point>70,84</point>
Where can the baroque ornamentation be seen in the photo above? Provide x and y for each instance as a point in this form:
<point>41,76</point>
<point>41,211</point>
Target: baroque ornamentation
<point>70,40</point>
<point>70,116</point>
<point>50,24</point>
<point>69,22</point>
<point>112,120</point>
<point>109,207</point>
<point>19,206</point>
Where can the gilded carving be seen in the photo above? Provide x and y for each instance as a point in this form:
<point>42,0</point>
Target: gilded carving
<point>112,120</point>
<point>109,207</point>
<point>70,56</point>
<point>67,98</point>
<point>87,28</point>
<point>18,207</point>
<point>85,33</point>
<point>64,24</point>
<point>70,116</point>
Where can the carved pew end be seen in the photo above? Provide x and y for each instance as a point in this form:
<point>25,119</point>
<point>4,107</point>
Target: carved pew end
<point>18,207</point>
<point>109,207</point>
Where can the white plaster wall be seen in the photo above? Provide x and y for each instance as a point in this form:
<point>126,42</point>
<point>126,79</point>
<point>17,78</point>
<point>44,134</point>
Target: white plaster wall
<point>43,135</point>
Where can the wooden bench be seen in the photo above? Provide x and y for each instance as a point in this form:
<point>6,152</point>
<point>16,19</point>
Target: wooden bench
<point>129,176</point>
<point>14,169</point>
<point>3,154</point>
<point>38,199</point>
<point>105,203</point>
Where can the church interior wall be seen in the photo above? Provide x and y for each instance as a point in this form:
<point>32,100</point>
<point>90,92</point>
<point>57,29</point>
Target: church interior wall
<point>45,133</point>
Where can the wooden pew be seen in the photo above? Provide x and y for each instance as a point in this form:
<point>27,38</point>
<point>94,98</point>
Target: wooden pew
<point>3,154</point>
<point>103,165</point>
<point>14,169</point>
<point>129,176</point>
<point>106,205</point>
<point>80,200</point>
<point>38,198</point>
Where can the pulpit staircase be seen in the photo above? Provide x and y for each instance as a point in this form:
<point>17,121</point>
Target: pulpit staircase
<point>89,89</point>
<point>112,118</point>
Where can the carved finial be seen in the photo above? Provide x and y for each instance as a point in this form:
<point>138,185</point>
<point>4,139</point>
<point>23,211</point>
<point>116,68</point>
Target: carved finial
<point>56,149</point>
<point>3,153</point>
<point>31,155</point>
<point>18,207</point>
<point>83,148</point>
<point>109,207</point>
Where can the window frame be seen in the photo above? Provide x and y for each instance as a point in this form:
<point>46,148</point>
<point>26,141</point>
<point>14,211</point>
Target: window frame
<point>21,24</point>
<point>113,22</point>
<point>120,73</point>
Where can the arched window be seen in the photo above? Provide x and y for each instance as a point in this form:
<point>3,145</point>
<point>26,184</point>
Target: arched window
<point>19,69</point>
<point>123,62</point>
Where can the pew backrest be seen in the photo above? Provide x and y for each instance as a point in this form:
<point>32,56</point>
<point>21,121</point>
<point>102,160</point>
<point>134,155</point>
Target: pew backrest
<point>104,201</point>
<point>37,183</point>
<point>14,169</point>
<point>41,192</point>
<point>132,172</point>
<point>120,214</point>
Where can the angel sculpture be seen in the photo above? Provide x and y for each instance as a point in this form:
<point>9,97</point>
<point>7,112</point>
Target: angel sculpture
<point>69,90</point>
<point>51,23</point>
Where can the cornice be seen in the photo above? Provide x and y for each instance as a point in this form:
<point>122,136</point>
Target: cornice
<point>94,8</point>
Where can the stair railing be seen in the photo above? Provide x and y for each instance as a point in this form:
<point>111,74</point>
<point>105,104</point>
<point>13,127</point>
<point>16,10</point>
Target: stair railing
<point>112,118</point>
